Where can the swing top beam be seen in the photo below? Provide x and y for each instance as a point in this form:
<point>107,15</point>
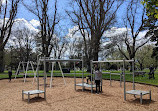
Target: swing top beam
<point>61,60</point>
<point>112,61</point>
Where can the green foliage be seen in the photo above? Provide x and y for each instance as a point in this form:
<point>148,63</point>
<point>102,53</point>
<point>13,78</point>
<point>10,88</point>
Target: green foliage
<point>144,57</point>
<point>152,7</point>
<point>129,77</point>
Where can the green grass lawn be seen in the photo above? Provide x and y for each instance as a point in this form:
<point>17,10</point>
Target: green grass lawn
<point>129,77</point>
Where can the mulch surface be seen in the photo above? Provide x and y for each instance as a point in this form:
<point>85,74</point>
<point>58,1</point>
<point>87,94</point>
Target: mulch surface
<point>65,98</point>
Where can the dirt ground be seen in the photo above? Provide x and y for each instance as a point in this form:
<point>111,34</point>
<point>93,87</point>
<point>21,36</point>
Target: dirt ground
<point>65,98</point>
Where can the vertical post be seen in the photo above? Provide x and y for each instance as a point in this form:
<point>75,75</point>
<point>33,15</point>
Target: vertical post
<point>110,80</point>
<point>82,74</point>
<point>45,76</point>
<point>74,78</point>
<point>23,67</point>
<point>17,70</point>
<point>51,75</point>
<point>37,73</point>
<point>101,77</point>
<point>120,80</point>
<point>62,72</point>
<point>26,71</point>
<point>150,95</point>
<point>91,76</point>
<point>28,97</point>
<point>124,79</point>
<point>33,70</point>
<point>22,95</point>
<point>141,98</point>
<point>133,65</point>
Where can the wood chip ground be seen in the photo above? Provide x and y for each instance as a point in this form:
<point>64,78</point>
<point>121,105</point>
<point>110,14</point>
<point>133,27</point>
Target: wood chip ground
<point>65,98</point>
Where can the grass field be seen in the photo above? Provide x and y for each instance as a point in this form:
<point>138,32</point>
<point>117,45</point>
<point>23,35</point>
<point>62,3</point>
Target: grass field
<point>129,77</point>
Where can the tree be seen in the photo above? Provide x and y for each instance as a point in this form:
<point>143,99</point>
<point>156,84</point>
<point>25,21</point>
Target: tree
<point>60,45</point>
<point>151,7</point>
<point>93,18</point>
<point>143,56</point>
<point>8,13</point>
<point>24,40</point>
<point>48,22</point>
<point>132,41</point>
<point>151,22</point>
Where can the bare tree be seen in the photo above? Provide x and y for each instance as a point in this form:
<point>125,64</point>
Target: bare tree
<point>48,21</point>
<point>131,37</point>
<point>24,40</point>
<point>93,17</point>
<point>60,47</point>
<point>8,13</point>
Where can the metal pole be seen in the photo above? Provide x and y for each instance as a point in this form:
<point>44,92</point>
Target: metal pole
<point>33,71</point>
<point>23,66</point>
<point>124,79</point>
<point>141,98</point>
<point>91,77</point>
<point>26,71</point>
<point>22,94</point>
<point>120,80</point>
<point>150,95</point>
<point>74,79</point>
<point>51,75</point>
<point>82,74</point>
<point>133,74</point>
<point>101,78</point>
<point>38,62</point>
<point>62,72</point>
<point>17,70</point>
<point>110,79</point>
<point>45,76</point>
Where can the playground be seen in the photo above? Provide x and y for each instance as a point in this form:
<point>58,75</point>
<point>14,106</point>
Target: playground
<point>64,97</point>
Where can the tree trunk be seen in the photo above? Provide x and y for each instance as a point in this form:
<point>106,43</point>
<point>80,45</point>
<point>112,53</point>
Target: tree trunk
<point>96,49</point>
<point>1,60</point>
<point>141,67</point>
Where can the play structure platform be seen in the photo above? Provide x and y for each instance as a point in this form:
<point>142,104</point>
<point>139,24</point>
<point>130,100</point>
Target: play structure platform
<point>31,92</point>
<point>86,85</point>
<point>140,93</point>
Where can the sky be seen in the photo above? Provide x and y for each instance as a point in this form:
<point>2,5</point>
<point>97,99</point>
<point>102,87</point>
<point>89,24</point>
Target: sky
<point>30,19</point>
<point>61,5</point>
<point>65,24</point>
